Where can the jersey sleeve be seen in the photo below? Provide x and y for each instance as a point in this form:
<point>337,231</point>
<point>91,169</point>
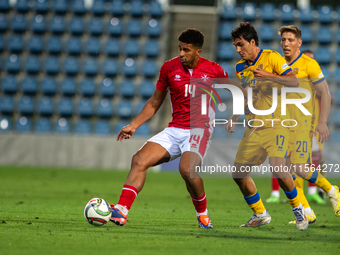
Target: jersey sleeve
<point>279,64</point>
<point>162,82</point>
<point>221,73</point>
<point>315,73</point>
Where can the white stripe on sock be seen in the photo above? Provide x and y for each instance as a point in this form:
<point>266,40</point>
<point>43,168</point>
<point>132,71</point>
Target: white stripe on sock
<point>131,190</point>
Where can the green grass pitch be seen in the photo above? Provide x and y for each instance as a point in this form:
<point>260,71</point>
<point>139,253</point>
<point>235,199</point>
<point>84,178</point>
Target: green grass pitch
<point>41,212</point>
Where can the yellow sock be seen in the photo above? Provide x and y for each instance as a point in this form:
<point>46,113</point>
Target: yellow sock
<point>299,187</point>
<point>255,203</point>
<point>319,180</point>
<point>293,198</point>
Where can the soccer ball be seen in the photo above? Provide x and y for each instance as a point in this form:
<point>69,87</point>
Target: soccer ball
<point>97,212</point>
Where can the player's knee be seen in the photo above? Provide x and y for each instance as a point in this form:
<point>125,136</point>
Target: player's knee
<point>139,162</point>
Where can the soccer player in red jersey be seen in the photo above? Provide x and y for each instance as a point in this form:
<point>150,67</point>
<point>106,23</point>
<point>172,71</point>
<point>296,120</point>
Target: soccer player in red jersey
<point>183,137</point>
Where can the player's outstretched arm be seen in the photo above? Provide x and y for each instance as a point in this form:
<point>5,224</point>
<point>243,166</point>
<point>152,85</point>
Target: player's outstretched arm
<point>322,89</point>
<point>149,110</point>
<point>288,80</point>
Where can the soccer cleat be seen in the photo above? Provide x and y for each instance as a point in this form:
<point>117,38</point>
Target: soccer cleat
<point>273,199</point>
<point>117,217</point>
<point>256,221</point>
<point>316,198</point>
<point>300,218</point>
<point>204,221</point>
<point>334,197</point>
<point>311,217</point>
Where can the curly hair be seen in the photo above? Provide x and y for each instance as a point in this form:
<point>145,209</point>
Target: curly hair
<point>192,36</point>
<point>246,31</point>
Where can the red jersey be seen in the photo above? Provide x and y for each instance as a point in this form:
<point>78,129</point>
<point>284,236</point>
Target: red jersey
<point>186,89</point>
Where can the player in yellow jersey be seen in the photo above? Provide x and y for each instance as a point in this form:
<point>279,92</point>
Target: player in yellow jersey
<point>300,143</point>
<point>257,143</point>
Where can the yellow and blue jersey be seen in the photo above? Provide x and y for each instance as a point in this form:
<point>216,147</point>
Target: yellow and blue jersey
<point>272,62</point>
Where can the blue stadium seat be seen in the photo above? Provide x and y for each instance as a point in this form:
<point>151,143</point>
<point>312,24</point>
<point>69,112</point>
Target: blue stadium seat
<point>87,87</point>
<point>35,44</point>
<point>324,35</point>
<point>110,67</point>
<point>155,9</point>
<point>306,15</point>
<point>338,36</point>
<point>287,13</point>
<point>151,48</point>
<point>225,51</point>
<point>65,106</point>
<point>57,25</point>
<point>117,7</point>
<point>73,45</point>
<point>6,104</point>
<point>228,68</point>
<point>29,85</point>
<point>102,127</point>
<point>323,55</point>
<point>127,88</point>
<point>95,26</point>
<point>48,85</point>
<point>38,24</point>
<point>78,7</point>
<point>112,47</point>
<point>338,12</point>
<point>98,7</point>
<point>9,84</point>
<point>136,8</point>
<point>225,30</point>
<point>26,105</point>
<point>68,86</point>
<point>13,63</point>
<point>248,11</point>
<point>22,5</point>
<point>137,107</point>
<point>335,136</point>
<point>337,56</point>
<point>63,126</point>
<point>83,127</point>
<point>19,23</point>
<point>146,88</point>
<point>104,109</point>
<point>43,125</point>
<point>131,47</point>
<point>124,109</point>
<point>134,27</point>
<point>143,130</point>
<point>93,46</point>
<point>90,66</point>
<point>32,64</point>
<point>40,6</point>
<point>23,125</point>
<point>54,45</point>
<point>45,106</point>
<point>336,116</point>
<point>107,88</point>
<point>3,22</point>
<point>52,65</point>
<point>119,125</point>
<point>154,28</point>
<point>15,43</point>
<point>325,14</point>
<point>306,34</point>
<point>59,6</point>
<point>4,5</point>
<point>268,12</point>
<point>85,107</point>
<point>129,67</point>
<point>5,123</point>
<point>229,12</point>
<point>149,68</point>
<point>2,42</point>
<point>115,27</point>
<point>266,33</point>
<point>76,25</point>
<point>71,65</point>
<point>336,96</point>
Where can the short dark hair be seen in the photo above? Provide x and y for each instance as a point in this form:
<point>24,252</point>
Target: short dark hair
<point>307,51</point>
<point>246,31</point>
<point>292,29</point>
<point>192,36</point>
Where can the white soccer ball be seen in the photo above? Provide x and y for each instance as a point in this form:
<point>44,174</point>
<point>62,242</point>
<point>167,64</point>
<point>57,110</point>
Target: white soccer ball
<point>97,212</point>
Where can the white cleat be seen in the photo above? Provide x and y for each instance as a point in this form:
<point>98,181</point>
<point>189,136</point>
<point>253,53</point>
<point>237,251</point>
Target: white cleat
<point>300,218</point>
<point>256,221</point>
<point>334,197</point>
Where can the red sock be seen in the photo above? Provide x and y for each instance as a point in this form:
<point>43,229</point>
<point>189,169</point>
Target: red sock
<point>128,195</point>
<point>200,203</point>
<point>275,184</point>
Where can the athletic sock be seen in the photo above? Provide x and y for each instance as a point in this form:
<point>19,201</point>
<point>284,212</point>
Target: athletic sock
<point>255,203</point>
<point>127,197</point>
<point>200,203</point>
<point>298,181</point>
<point>331,191</point>
<point>275,187</point>
<point>318,180</point>
<point>293,198</point>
